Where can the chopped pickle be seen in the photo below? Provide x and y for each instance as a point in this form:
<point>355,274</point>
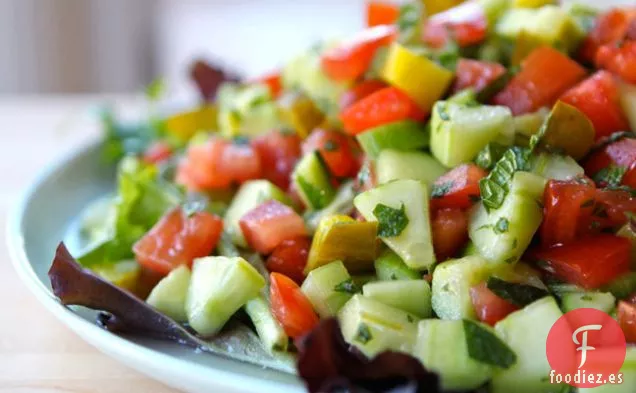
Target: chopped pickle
<point>419,77</point>
<point>568,130</point>
<point>343,238</point>
<point>184,125</point>
<point>298,112</point>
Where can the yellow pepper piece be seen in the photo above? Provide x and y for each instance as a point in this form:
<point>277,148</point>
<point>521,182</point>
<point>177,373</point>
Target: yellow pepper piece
<point>568,129</point>
<point>298,112</point>
<point>342,238</point>
<point>419,77</point>
<point>124,274</point>
<point>437,6</point>
<point>531,3</point>
<point>184,125</point>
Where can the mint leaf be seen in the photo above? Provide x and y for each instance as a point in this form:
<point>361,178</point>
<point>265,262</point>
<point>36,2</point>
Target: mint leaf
<point>391,222</point>
<point>495,187</point>
<point>347,286</point>
<point>489,155</point>
<point>610,176</point>
<point>518,294</point>
<point>485,347</point>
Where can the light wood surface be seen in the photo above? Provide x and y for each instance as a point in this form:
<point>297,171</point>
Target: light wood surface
<point>37,352</point>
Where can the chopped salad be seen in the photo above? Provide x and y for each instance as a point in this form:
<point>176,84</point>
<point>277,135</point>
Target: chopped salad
<point>441,186</point>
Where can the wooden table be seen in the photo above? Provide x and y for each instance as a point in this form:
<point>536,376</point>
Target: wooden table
<point>37,352</point>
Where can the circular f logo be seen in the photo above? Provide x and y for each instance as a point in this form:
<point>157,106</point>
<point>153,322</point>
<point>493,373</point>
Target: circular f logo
<point>586,348</point>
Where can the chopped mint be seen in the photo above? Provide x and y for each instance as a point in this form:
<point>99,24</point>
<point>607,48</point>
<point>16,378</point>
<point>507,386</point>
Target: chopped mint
<point>347,286</point>
<point>443,113</point>
<point>610,176</point>
<point>364,334</point>
<point>486,347</point>
<point>501,226</point>
<point>391,222</point>
<point>495,187</point>
<point>439,190</point>
<point>518,294</point>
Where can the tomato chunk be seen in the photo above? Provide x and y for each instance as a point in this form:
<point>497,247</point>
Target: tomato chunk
<point>269,224</point>
<point>240,162</point>
<point>382,12</point>
<point>157,152</point>
<point>272,81</point>
<point>350,59</point>
<point>610,28</point>
<point>290,258</point>
<point>201,168</point>
<point>458,188</point>
<point>589,262</point>
<point>545,74</point>
<point>621,153</point>
<point>489,307</point>
<point>620,61</point>
<point>476,74</point>
<point>450,232</point>
<point>335,149</point>
<point>597,97</point>
<point>278,152</point>
<point>629,178</point>
<point>626,315</point>
<point>384,106</point>
<point>177,239</point>
<point>290,306</point>
<point>359,91</point>
<point>613,206</point>
<point>465,23</point>
<point>567,206</point>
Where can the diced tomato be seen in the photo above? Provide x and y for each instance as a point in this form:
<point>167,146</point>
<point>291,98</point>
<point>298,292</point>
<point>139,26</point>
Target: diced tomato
<point>629,178</point>
<point>620,61</point>
<point>465,23</point>
<point>489,307</point>
<point>610,29</point>
<point>350,59</point>
<point>335,149</point>
<point>384,106</point>
<point>626,316</point>
<point>269,224</point>
<point>597,97</point>
<point>272,81</point>
<point>450,232</point>
<point>157,152</point>
<point>614,205</point>
<point>202,166</point>
<point>567,206</point>
<point>621,153</point>
<point>545,75</point>
<point>381,12</point>
<point>590,262</point>
<point>290,306</point>
<point>241,162</point>
<point>290,258</point>
<point>359,91</point>
<point>458,188</point>
<point>278,153</point>
<point>476,74</point>
<point>177,239</point>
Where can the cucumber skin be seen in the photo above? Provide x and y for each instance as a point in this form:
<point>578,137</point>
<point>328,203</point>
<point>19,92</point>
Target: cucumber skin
<point>441,347</point>
<point>415,165</point>
<point>312,170</point>
<point>169,295</point>
<point>603,301</point>
<point>526,331</point>
<point>319,288</point>
<point>402,136</point>
<point>272,335</point>
<point>522,208</point>
<point>389,266</point>
<point>412,296</point>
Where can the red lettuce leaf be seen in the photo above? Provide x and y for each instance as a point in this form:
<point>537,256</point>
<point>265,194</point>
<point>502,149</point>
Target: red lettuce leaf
<point>208,78</point>
<point>327,365</point>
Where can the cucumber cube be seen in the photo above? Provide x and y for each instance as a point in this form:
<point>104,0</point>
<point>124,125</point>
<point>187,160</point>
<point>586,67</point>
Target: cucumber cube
<point>389,266</point>
<point>415,165</point>
<point>402,135</point>
<point>269,330</point>
<point>321,288</point>
<point>311,178</point>
<point>169,295</point>
<point>412,296</point>
<point>219,287</point>
<point>603,301</point>
<point>373,327</point>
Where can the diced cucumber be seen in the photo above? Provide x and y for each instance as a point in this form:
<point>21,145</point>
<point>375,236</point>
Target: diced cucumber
<point>373,327</point>
<point>312,182</point>
<point>628,102</point>
<point>414,243</point>
<point>556,167</point>
<point>629,377</point>
<point>623,286</point>
<point>402,135</point>
<point>169,295</point>
<point>325,287</point>
<point>415,165</point>
<point>389,266</point>
<point>494,9</point>
<point>251,194</point>
<point>441,347</point>
<point>599,300</point>
<point>526,332</point>
<point>459,132</point>
<point>246,111</point>
<point>269,330</point>
<point>342,203</point>
<point>502,235</point>
<point>561,289</point>
<point>412,296</point>
<point>452,281</point>
<point>629,232</point>
<point>218,288</point>
<point>530,123</point>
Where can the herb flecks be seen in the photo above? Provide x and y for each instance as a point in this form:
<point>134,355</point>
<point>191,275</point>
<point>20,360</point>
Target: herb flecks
<point>439,190</point>
<point>391,222</point>
<point>485,347</point>
<point>518,294</point>
<point>347,286</point>
<point>364,334</point>
<point>501,226</point>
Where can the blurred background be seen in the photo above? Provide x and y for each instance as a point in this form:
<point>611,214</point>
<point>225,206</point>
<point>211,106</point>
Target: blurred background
<point>116,46</point>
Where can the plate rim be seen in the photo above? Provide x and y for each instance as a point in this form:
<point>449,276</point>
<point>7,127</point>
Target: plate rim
<point>93,334</point>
